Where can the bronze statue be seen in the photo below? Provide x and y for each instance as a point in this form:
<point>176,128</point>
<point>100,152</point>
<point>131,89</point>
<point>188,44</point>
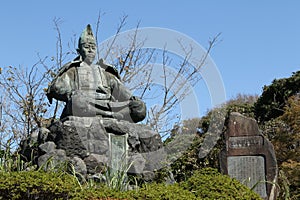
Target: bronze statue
<point>93,89</point>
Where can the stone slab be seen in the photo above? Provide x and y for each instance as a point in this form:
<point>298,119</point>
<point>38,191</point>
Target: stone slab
<point>249,170</point>
<point>118,149</point>
<point>249,156</point>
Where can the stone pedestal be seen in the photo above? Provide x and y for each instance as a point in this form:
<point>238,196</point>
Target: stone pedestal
<point>91,143</point>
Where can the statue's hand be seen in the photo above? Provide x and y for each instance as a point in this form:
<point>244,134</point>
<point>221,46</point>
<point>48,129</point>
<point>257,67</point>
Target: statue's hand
<point>117,115</point>
<point>137,109</point>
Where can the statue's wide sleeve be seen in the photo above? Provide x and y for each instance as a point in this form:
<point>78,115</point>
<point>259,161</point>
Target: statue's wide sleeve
<point>137,108</point>
<point>118,90</point>
<point>62,86</point>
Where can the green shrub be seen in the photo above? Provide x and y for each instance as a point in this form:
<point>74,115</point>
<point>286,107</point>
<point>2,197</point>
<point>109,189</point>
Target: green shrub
<point>42,185</point>
<point>36,185</point>
<point>185,166</point>
<point>162,192</point>
<point>208,183</point>
<point>151,191</point>
<point>272,101</point>
<point>204,184</point>
<point>98,192</point>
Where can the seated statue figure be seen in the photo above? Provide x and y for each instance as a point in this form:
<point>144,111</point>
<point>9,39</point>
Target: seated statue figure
<point>93,89</point>
<point>98,109</point>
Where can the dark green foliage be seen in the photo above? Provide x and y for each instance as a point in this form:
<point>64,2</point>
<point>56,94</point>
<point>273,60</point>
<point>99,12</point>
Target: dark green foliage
<point>274,97</point>
<point>290,175</point>
<point>282,137</point>
<point>284,134</point>
<point>184,167</point>
<point>36,185</point>
<point>208,183</point>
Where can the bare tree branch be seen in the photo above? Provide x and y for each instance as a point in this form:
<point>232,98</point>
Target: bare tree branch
<point>119,28</point>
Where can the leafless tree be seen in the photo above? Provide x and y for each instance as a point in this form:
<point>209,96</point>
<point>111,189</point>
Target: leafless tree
<point>136,64</point>
<point>25,107</point>
<point>23,100</point>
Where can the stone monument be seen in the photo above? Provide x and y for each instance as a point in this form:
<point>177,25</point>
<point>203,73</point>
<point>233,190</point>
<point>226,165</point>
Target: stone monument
<point>98,125</point>
<point>249,156</point>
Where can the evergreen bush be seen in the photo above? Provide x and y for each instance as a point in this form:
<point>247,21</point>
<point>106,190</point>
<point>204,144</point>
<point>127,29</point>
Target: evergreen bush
<point>204,184</point>
<point>36,185</point>
<point>208,183</point>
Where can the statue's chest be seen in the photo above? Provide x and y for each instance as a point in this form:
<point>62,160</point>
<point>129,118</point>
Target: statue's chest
<point>89,78</point>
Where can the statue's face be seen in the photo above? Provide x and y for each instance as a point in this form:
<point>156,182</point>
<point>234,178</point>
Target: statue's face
<point>88,52</point>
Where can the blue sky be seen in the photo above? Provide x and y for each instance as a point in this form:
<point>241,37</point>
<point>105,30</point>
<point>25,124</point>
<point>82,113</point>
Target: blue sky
<point>260,40</point>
